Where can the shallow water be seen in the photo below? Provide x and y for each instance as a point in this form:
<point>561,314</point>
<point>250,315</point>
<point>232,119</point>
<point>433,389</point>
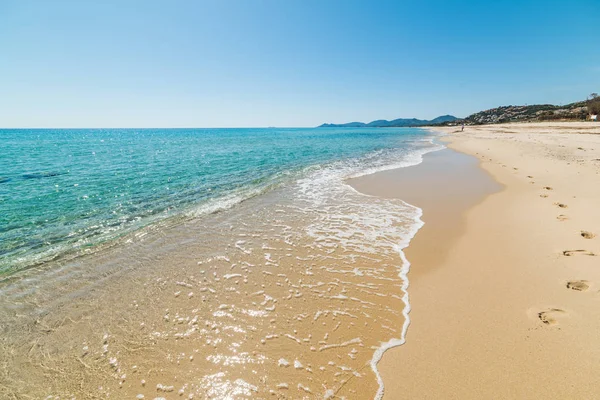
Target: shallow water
<point>286,295</point>
<point>63,191</point>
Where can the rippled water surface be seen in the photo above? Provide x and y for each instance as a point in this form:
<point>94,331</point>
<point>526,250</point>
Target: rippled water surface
<point>64,190</point>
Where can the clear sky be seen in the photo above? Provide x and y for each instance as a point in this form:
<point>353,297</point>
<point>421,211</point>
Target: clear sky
<point>286,62</point>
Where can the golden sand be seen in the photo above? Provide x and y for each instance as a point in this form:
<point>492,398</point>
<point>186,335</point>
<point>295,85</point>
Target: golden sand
<point>511,310</point>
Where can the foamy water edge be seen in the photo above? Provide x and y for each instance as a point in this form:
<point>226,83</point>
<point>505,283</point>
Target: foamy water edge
<point>404,269</point>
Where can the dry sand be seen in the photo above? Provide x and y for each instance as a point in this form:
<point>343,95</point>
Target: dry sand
<point>509,307</point>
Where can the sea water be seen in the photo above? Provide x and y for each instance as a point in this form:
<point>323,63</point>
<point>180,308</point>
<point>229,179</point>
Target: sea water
<point>64,190</point>
<point>223,263</point>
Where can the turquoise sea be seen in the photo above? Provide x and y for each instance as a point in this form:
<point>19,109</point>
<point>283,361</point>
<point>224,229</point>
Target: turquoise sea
<point>65,190</point>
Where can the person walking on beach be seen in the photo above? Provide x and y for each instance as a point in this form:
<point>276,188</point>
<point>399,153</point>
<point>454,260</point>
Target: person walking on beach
<point>462,128</point>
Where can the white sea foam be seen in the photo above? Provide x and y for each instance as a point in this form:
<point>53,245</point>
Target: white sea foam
<point>360,220</point>
<point>283,362</point>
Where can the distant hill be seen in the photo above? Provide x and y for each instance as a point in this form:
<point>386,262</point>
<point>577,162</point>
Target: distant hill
<point>535,112</point>
<point>401,122</point>
<point>346,125</point>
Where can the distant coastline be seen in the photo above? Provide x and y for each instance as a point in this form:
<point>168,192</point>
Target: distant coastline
<point>578,111</point>
<point>396,123</point>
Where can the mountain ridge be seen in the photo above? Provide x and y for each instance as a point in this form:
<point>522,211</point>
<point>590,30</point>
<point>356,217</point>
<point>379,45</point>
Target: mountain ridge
<point>400,122</point>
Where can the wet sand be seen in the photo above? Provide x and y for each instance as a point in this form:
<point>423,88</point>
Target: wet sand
<point>511,308</point>
<point>444,186</point>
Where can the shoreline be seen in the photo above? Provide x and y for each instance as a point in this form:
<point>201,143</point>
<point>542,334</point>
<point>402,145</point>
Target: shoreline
<point>67,252</point>
<point>407,184</point>
<point>504,313</point>
<point>493,306</point>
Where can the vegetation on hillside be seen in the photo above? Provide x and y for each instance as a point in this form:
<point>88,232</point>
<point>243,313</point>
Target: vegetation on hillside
<point>593,104</point>
<point>578,111</point>
<point>537,112</point>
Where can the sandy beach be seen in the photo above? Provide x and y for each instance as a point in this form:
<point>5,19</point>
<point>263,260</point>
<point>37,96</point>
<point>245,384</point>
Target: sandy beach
<point>290,294</point>
<point>505,298</point>
<point>299,200</point>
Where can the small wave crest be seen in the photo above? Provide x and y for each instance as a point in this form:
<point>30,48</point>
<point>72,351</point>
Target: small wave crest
<point>367,224</point>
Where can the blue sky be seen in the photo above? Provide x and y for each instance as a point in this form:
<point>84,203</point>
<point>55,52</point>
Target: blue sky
<point>285,62</point>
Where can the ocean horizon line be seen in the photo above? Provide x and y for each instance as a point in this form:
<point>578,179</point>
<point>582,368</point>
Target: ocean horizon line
<point>161,127</point>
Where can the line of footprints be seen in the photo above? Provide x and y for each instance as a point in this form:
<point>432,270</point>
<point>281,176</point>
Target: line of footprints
<point>550,316</point>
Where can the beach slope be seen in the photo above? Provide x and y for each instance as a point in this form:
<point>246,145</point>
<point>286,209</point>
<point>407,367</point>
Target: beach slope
<point>506,301</point>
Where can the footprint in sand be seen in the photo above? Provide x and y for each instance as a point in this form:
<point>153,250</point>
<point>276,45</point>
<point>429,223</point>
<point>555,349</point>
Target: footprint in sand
<point>580,286</point>
<point>570,253</point>
<point>561,205</point>
<point>543,196</point>
<point>547,188</point>
<point>588,235</point>
<point>530,177</point>
<point>549,316</point>
<point>562,217</point>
